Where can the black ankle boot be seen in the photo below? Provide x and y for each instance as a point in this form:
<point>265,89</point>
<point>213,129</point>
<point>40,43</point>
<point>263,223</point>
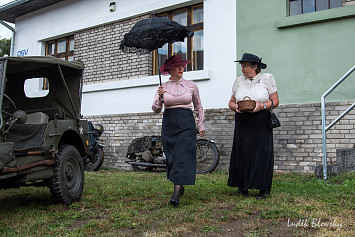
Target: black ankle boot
<point>261,195</point>
<point>178,192</point>
<point>174,202</point>
<point>245,193</point>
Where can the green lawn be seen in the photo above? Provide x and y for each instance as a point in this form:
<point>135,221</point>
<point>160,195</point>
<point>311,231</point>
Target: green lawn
<point>127,203</point>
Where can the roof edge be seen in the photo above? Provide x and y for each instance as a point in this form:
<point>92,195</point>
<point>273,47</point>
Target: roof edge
<point>12,4</point>
<point>17,8</point>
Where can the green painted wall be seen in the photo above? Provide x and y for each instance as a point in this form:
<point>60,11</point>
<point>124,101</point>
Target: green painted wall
<point>306,54</point>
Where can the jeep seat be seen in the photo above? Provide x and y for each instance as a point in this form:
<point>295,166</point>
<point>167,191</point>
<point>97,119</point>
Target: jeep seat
<point>51,112</point>
<point>37,118</point>
<point>27,136</point>
<point>30,134</point>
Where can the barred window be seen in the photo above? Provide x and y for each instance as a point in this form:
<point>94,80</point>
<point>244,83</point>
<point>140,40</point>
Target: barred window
<point>191,48</point>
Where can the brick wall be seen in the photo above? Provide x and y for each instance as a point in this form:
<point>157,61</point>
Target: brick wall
<point>298,142</point>
<point>348,2</point>
<point>98,49</point>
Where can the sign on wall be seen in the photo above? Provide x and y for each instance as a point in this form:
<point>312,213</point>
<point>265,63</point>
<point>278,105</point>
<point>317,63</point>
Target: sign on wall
<point>23,52</point>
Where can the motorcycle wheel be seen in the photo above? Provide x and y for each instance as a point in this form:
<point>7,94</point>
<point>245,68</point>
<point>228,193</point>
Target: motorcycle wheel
<point>207,156</point>
<point>97,161</point>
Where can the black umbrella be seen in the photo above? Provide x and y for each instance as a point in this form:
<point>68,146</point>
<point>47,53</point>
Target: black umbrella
<point>152,33</point>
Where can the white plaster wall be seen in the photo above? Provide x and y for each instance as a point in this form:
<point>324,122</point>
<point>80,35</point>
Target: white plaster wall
<point>136,95</point>
<point>220,52</point>
<point>70,16</point>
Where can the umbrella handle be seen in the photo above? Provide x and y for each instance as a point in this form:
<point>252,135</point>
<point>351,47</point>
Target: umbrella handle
<point>161,97</point>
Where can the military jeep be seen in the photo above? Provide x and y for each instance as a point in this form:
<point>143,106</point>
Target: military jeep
<point>42,138</point>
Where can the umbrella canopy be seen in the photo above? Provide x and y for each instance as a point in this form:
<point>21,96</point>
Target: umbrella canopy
<point>152,33</point>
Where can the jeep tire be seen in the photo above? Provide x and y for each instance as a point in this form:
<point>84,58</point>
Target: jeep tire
<point>67,183</point>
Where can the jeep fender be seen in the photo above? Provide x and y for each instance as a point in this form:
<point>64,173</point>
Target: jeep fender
<point>71,137</point>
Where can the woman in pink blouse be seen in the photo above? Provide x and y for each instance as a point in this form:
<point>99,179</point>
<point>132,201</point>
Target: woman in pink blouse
<point>179,127</point>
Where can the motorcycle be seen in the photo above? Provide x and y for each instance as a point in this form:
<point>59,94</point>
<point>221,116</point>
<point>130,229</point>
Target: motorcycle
<point>95,159</point>
<point>146,153</point>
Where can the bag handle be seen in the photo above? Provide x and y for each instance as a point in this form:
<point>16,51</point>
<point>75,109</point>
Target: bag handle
<point>272,106</point>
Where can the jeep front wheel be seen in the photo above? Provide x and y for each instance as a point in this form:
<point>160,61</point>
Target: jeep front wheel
<point>68,181</point>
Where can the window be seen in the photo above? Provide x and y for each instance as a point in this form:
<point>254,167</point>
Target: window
<point>62,48</point>
<point>191,48</point>
<point>298,7</point>
<point>31,83</point>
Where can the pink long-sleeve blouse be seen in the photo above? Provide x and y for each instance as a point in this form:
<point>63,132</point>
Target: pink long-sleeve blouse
<point>181,94</point>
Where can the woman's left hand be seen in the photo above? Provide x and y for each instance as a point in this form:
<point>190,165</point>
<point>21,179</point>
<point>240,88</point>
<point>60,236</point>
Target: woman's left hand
<point>202,133</point>
<point>258,106</point>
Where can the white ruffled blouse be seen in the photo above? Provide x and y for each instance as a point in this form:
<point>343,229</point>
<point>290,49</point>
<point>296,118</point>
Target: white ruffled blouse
<point>258,88</point>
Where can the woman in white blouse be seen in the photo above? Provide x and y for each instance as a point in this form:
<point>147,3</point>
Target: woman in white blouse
<point>252,157</point>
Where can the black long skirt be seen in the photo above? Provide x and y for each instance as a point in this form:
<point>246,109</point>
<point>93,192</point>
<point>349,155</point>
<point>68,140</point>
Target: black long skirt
<point>252,157</point>
<point>179,144</point>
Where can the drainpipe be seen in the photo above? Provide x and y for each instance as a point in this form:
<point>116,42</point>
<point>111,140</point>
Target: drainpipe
<point>13,36</point>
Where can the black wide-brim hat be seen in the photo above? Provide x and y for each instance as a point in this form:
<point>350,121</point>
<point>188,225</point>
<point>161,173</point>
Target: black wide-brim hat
<point>248,57</point>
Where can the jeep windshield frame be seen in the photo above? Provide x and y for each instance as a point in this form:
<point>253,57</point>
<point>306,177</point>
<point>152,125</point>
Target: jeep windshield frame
<point>65,80</point>
<point>2,88</point>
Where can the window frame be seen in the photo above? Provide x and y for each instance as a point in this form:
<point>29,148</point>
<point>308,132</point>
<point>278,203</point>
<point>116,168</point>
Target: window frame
<point>315,7</point>
<point>189,41</point>
<point>67,53</point>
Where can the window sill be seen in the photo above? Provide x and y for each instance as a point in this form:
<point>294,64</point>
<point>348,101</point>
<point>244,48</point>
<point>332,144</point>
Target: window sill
<point>144,81</point>
<point>316,17</point>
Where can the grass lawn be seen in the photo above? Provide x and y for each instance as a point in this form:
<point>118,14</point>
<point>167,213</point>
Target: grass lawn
<point>128,203</point>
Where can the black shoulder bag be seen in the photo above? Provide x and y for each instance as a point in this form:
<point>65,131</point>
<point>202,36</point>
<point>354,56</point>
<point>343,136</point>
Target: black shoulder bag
<point>274,120</point>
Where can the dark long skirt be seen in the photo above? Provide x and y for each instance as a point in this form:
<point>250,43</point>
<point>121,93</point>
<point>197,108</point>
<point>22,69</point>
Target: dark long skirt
<point>179,144</point>
<point>252,157</point>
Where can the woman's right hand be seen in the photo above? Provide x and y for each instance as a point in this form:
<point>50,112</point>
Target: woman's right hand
<point>160,90</point>
<point>236,108</point>
<point>233,105</point>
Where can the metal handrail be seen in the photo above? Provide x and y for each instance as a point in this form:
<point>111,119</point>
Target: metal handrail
<point>326,128</point>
